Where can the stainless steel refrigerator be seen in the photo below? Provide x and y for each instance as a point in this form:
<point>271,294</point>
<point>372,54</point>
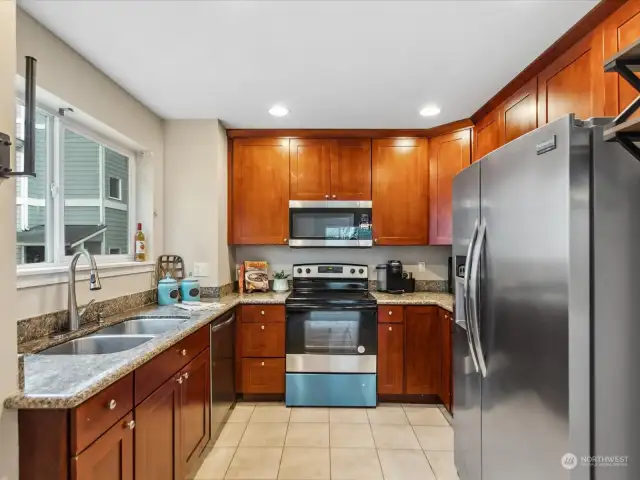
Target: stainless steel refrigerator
<point>546,259</point>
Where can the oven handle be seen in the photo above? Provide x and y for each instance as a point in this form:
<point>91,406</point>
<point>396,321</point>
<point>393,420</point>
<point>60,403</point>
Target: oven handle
<point>309,308</point>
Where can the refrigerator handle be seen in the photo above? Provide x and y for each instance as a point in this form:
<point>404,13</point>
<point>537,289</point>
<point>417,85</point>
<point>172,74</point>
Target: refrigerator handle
<point>474,284</point>
<point>465,295</point>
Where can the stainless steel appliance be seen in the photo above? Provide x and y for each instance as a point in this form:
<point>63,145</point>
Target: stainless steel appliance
<point>223,394</point>
<point>331,337</point>
<point>330,223</point>
<point>546,308</point>
<point>395,280</point>
<point>381,277</point>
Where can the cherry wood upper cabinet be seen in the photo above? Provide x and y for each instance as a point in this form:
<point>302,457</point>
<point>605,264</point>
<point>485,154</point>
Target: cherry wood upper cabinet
<point>519,114</point>
<point>390,358</point>
<point>260,213</point>
<point>448,154</point>
<point>310,161</point>
<point>351,169</point>
<point>620,29</point>
<point>487,135</point>
<point>574,83</point>
<point>399,190</point>
<point>423,350</point>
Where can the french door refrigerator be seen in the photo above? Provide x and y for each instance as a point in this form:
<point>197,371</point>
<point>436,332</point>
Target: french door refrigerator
<point>547,320</point>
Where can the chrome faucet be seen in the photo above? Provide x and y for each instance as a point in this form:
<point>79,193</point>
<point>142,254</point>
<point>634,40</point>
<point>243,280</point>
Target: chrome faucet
<point>94,284</point>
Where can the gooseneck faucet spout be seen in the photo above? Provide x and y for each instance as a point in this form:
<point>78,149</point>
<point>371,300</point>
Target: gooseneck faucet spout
<point>94,284</point>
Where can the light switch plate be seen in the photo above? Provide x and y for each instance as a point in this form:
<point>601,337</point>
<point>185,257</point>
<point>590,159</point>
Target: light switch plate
<point>200,269</point>
<point>422,266</point>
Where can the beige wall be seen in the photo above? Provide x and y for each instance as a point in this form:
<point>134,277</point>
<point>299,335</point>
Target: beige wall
<point>196,196</point>
<point>62,72</point>
<point>8,350</point>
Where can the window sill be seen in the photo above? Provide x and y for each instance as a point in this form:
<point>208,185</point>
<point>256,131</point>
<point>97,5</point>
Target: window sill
<point>54,274</point>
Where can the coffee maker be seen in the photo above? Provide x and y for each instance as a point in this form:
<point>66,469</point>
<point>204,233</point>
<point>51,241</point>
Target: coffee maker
<point>395,281</point>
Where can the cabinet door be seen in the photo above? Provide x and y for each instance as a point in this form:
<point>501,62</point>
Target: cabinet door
<point>390,358</point>
<point>351,170</point>
<point>108,458</point>
<point>620,29</point>
<point>423,350</point>
<point>448,154</point>
<point>574,83</point>
<point>262,375</point>
<point>260,191</point>
<point>445,378</point>
<point>157,434</point>
<point>310,161</point>
<point>487,135</point>
<point>263,339</point>
<point>195,408</point>
<point>399,190</point>
<point>519,114</point>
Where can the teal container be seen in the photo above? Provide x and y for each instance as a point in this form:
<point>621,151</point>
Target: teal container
<point>190,290</point>
<point>167,291</point>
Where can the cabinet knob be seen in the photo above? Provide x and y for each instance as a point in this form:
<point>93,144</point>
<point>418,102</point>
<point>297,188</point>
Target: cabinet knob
<point>326,196</point>
<point>390,312</point>
<point>186,375</point>
<point>112,404</point>
<point>184,352</point>
<point>131,424</point>
<point>262,364</point>
<point>179,379</point>
<point>285,240</point>
<point>262,327</point>
<point>375,240</point>
<point>261,312</point>
<point>390,329</point>
<point>333,196</point>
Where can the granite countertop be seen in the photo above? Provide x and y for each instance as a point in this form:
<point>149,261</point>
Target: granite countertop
<point>65,381</point>
<point>444,300</point>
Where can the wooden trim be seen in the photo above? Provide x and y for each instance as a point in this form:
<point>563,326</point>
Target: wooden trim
<point>585,26</point>
<point>350,133</point>
<point>230,224</point>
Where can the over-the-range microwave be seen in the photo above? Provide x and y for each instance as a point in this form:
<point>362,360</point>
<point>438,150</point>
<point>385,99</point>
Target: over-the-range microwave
<point>331,223</point>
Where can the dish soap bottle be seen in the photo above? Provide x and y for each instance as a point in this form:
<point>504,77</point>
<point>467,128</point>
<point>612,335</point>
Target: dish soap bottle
<point>141,248</point>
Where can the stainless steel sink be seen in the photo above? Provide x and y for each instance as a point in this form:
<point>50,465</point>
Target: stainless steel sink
<point>142,326</point>
<point>98,344</point>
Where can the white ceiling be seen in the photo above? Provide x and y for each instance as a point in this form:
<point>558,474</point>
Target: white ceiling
<point>334,64</point>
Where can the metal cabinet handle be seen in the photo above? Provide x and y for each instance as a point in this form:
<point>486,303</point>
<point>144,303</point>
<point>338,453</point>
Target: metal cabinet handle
<point>261,312</point>
<point>326,196</point>
<point>179,379</point>
<point>186,375</point>
<point>112,404</point>
<point>262,327</point>
<point>375,240</point>
<point>262,364</point>
<point>390,312</point>
<point>131,424</point>
<point>390,329</point>
<point>285,240</point>
<point>184,352</point>
<point>333,196</point>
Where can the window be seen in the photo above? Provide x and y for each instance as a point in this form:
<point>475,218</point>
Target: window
<point>81,197</point>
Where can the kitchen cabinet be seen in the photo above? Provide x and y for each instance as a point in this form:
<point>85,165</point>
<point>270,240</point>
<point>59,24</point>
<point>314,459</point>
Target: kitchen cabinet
<point>263,375</point>
<point>400,191</point>
<point>390,358</point>
<point>448,155</point>
<point>446,377</point>
<point>487,135</point>
<point>260,191</point>
<point>620,29</point>
<point>519,114</point>
<point>573,83</point>
<point>263,340</point>
<point>195,409</point>
<point>108,458</point>
<point>327,169</point>
<point>423,350</point>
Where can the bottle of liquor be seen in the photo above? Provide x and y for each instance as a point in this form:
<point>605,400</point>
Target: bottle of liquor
<point>141,248</point>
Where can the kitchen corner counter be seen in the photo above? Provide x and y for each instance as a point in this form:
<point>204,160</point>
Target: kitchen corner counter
<point>444,300</point>
<point>65,381</point>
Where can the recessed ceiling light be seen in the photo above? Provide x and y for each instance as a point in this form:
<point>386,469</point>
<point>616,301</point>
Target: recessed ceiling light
<point>429,111</point>
<point>278,111</point>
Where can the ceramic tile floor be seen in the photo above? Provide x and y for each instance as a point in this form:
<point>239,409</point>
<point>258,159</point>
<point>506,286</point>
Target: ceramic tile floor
<point>391,442</point>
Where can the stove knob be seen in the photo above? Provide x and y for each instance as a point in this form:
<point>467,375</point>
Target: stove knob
<point>299,270</point>
<point>353,270</point>
<point>308,270</point>
<point>361,271</point>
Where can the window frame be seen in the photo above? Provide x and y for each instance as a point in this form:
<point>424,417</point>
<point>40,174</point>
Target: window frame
<point>119,197</point>
<point>55,258</point>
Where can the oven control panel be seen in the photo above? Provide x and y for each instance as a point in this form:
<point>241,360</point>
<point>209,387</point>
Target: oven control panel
<point>330,270</point>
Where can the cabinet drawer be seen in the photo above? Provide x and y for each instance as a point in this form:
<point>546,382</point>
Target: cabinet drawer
<point>263,340</point>
<point>390,314</point>
<point>262,313</point>
<point>156,371</point>
<point>94,417</point>
<point>263,375</point>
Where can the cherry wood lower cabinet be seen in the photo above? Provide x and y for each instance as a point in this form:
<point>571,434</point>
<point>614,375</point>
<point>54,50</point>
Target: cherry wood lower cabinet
<point>390,358</point>
<point>108,458</point>
<point>423,350</point>
<point>446,376</point>
<point>195,408</point>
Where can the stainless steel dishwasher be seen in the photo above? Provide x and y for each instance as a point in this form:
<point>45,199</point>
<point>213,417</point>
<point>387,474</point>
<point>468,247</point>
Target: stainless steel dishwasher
<point>223,393</point>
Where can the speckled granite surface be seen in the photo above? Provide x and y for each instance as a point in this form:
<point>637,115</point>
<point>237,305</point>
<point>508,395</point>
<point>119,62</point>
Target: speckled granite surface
<point>444,300</point>
<point>65,381</point>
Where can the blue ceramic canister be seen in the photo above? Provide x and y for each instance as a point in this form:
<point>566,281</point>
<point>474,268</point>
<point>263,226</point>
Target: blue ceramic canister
<point>167,291</point>
<point>190,290</point>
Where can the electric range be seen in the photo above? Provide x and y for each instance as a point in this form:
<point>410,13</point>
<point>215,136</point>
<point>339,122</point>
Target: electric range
<point>331,337</point>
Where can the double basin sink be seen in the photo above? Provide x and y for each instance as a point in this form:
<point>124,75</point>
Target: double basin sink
<point>117,338</point>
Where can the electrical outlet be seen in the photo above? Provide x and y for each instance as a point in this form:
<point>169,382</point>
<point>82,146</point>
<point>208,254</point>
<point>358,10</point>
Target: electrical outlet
<point>200,269</point>
<point>422,266</point>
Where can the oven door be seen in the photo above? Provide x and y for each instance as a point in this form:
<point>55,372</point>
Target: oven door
<point>331,340</point>
<point>330,224</point>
